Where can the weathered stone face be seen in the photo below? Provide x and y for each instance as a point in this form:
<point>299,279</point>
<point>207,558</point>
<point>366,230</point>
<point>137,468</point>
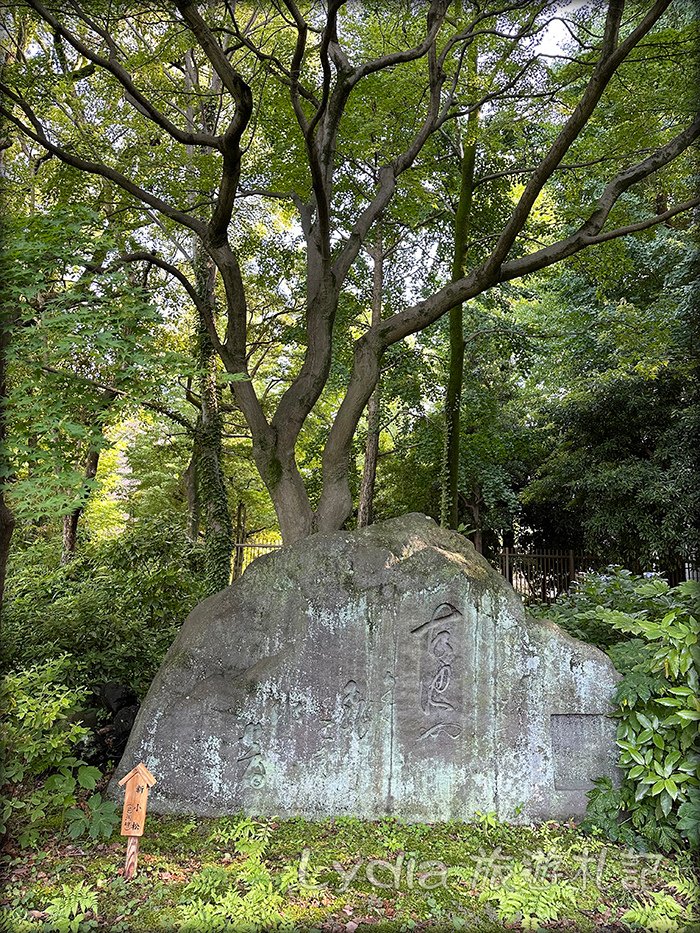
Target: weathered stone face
<point>385,671</point>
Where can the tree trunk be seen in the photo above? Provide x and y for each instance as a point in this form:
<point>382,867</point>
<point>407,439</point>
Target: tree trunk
<point>72,520</point>
<point>205,473</point>
<point>289,497</point>
<point>365,510</point>
<point>449,516</point>
<point>473,505</point>
<point>320,132</point>
<point>211,487</point>
<point>240,540</point>
<point>7,519</point>
<point>274,443</point>
<point>478,537</point>
<point>189,482</point>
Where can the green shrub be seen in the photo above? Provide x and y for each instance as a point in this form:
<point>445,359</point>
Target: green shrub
<point>651,632</point>
<point>116,607</point>
<point>577,611</point>
<point>67,911</point>
<point>41,777</point>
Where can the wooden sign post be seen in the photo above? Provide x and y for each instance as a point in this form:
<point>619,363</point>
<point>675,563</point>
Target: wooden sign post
<point>138,782</point>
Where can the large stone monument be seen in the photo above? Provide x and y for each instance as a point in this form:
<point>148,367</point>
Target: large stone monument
<point>385,671</point>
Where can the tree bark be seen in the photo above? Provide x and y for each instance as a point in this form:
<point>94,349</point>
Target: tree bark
<point>72,520</point>
<point>478,537</point>
<point>240,540</point>
<point>453,396</point>
<point>365,509</point>
<point>274,443</point>
<point>209,505</point>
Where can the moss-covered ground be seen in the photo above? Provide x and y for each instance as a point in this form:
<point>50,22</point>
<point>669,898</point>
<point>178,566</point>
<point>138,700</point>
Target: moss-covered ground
<point>346,875</point>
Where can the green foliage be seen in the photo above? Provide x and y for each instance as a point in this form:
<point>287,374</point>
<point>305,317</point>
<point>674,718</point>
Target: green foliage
<point>206,884</point>
<point>659,913</point>
<point>246,897</point>
<point>613,394</point>
<point>41,776</point>
<point>578,610</point>
<point>689,818</point>
<point>530,900</point>
<point>488,820</point>
<point>117,606</point>
<point>657,702</point>
<point>71,334</point>
<point>67,911</point>
<point>97,819</point>
<point>192,875</point>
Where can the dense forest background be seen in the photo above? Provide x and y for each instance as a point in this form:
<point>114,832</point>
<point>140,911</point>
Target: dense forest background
<point>128,463</point>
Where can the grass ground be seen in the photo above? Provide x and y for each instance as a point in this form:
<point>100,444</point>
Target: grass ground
<point>346,875</point>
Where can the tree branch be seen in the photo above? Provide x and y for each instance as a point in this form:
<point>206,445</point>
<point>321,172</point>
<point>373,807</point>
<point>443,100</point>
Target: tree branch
<point>201,306</point>
<point>436,17</point>
<point>231,140</point>
<point>152,406</point>
<point>610,58</point>
<point>37,132</point>
<point>336,498</point>
<point>389,173</point>
<point>135,97</point>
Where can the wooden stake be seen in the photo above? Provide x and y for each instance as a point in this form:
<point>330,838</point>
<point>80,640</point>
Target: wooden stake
<point>138,782</point>
<point>132,857</point>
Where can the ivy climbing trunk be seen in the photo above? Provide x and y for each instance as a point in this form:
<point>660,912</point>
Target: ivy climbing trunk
<point>212,498</point>
<point>7,519</point>
<point>365,509</point>
<point>205,483</point>
<point>449,516</point>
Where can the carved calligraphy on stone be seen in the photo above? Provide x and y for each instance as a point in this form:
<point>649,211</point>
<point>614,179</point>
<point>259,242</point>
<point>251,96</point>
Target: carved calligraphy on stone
<point>437,696</point>
<point>254,771</point>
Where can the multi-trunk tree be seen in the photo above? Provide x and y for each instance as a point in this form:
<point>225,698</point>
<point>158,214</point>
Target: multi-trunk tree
<point>292,84</point>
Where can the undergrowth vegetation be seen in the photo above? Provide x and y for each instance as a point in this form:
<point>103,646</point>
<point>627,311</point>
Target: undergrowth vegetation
<point>335,876</point>
<point>116,607</point>
<point>43,780</point>
<point>650,631</point>
<point>240,874</point>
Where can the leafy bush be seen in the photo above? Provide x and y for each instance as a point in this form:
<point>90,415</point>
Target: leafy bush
<point>41,776</point>
<point>659,913</point>
<point>616,588</point>
<point>653,640</point>
<point>67,911</point>
<point>116,607</point>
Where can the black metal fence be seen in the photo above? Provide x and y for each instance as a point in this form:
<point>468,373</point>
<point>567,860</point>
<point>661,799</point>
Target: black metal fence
<point>536,576</point>
<point>244,553</point>
<point>541,576</point>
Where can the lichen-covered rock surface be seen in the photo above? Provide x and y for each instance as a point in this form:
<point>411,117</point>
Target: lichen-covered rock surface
<point>390,670</point>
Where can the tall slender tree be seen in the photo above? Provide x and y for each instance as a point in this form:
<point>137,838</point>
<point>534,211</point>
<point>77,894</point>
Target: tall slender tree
<point>365,509</point>
<point>453,395</point>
